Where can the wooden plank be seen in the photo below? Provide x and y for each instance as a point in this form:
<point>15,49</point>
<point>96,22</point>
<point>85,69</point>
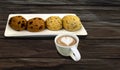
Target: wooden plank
<point>41,48</point>
<point>86,13</point>
<point>94,64</point>
<point>57,8</point>
<point>27,48</point>
<point>51,64</point>
<point>99,48</point>
<point>30,62</point>
<point>64,2</point>
<point>103,33</point>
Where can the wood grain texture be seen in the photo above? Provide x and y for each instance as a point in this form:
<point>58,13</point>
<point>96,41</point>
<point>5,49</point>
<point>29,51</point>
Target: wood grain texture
<point>65,2</point>
<point>100,50</point>
<point>37,64</point>
<point>40,48</point>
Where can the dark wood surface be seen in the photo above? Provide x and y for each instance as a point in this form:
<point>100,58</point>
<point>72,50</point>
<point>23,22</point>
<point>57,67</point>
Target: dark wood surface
<point>100,50</point>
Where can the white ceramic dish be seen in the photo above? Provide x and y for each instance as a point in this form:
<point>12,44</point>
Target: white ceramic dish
<point>9,32</point>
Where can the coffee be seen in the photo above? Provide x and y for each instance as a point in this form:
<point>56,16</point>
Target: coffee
<point>66,40</point>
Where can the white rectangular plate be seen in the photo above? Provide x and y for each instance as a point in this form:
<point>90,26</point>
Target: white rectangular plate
<point>9,32</point>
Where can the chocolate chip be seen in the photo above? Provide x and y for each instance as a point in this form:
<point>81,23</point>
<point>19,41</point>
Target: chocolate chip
<point>22,25</point>
<point>34,18</point>
<point>19,22</point>
<point>17,30</point>
<point>22,18</point>
<point>23,21</point>
<point>31,27</point>
<point>31,22</point>
<point>25,28</point>
<point>39,18</point>
<point>40,27</point>
<point>10,21</point>
<point>13,20</point>
<point>19,16</point>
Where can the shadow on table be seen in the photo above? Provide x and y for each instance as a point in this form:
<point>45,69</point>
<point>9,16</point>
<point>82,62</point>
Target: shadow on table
<point>40,38</point>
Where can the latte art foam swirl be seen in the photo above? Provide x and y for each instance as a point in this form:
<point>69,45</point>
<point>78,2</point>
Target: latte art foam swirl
<point>66,41</point>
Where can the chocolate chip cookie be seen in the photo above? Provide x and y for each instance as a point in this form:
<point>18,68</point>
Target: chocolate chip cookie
<point>35,24</point>
<point>18,23</point>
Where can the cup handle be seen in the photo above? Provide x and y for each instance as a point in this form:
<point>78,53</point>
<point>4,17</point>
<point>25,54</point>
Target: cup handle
<point>75,54</point>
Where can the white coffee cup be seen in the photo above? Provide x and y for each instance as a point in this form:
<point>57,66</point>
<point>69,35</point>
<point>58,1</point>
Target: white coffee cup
<point>71,51</point>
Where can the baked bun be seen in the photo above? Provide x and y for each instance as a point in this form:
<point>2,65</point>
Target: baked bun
<point>71,23</point>
<point>54,23</point>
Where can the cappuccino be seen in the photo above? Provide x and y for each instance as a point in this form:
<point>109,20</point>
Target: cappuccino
<point>66,40</point>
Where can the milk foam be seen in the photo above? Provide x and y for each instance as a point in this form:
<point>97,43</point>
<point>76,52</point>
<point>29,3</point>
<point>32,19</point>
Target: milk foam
<point>67,40</point>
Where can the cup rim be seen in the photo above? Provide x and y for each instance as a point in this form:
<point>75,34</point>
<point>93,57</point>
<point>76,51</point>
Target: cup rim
<point>73,35</point>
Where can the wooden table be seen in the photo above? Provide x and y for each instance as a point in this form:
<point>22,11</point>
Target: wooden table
<point>100,50</point>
